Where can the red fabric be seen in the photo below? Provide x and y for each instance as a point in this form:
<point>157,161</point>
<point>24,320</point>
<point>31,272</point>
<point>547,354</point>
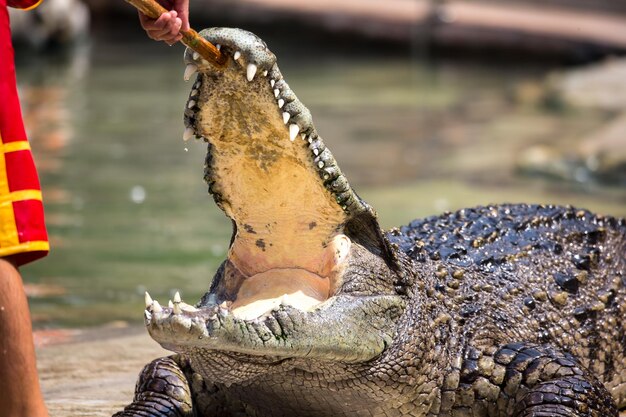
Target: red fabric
<point>23,236</point>
<point>10,112</point>
<point>21,171</point>
<point>30,225</point>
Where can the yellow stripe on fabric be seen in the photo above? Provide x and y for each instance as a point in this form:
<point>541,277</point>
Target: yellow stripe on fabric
<point>21,145</point>
<point>33,6</point>
<point>21,196</point>
<point>8,228</point>
<point>34,246</point>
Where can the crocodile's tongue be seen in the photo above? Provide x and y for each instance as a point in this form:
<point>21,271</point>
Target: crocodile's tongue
<point>269,290</point>
<point>296,286</point>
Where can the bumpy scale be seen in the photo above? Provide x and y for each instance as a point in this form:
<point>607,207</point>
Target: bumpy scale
<point>509,310</point>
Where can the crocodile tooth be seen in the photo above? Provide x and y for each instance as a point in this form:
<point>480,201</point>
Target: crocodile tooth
<point>272,83</point>
<point>265,73</point>
<point>170,304</point>
<point>223,309</point>
<point>237,55</point>
<point>191,104</point>
<point>294,129</point>
<point>281,103</point>
<point>194,92</point>
<point>187,307</point>
<point>218,46</point>
<point>156,307</point>
<point>196,56</point>
<point>303,136</point>
<point>286,117</point>
<point>190,70</point>
<point>187,134</point>
<point>177,298</point>
<point>276,92</point>
<point>148,299</point>
<point>176,309</point>
<point>251,72</point>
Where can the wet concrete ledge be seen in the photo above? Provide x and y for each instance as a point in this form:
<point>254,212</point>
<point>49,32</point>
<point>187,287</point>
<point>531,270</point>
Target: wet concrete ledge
<point>92,372</point>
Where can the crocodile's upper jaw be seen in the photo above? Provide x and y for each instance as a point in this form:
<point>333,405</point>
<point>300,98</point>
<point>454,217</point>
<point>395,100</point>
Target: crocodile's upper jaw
<point>271,174</point>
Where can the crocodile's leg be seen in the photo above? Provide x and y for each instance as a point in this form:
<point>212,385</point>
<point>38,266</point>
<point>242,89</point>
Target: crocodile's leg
<point>542,381</point>
<point>523,380</point>
<point>162,391</point>
<point>565,397</point>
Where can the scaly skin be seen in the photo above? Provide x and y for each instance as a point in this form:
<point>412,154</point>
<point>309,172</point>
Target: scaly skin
<point>509,310</point>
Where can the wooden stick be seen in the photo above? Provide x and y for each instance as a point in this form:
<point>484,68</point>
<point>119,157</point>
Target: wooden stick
<point>191,38</point>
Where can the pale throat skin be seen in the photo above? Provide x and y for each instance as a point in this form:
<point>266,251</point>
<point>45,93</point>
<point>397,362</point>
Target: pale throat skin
<point>504,310</point>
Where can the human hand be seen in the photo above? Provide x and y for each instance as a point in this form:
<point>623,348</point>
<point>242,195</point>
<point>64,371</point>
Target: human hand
<point>168,26</point>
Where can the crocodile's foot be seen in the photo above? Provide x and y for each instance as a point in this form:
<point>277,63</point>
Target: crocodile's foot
<point>543,381</point>
<point>162,390</point>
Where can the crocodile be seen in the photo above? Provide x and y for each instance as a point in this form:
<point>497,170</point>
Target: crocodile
<point>500,310</point>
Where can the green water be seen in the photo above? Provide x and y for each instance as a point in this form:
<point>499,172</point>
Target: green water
<point>127,209</point>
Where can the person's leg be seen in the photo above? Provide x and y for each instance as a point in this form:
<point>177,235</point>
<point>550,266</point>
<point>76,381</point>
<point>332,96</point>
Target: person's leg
<point>20,394</point>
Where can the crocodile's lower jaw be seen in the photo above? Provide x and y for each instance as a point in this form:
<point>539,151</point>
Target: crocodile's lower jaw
<point>284,332</point>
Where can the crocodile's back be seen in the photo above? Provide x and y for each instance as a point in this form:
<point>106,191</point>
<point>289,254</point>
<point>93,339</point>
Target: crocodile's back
<point>541,274</point>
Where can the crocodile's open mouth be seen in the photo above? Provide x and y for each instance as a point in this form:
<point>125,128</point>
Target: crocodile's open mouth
<point>288,244</point>
<point>268,170</point>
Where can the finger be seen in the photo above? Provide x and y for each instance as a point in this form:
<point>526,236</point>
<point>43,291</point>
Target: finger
<point>162,29</point>
<point>161,35</point>
<point>148,23</point>
<point>182,7</point>
<point>145,21</point>
<point>171,34</point>
<point>176,27</point>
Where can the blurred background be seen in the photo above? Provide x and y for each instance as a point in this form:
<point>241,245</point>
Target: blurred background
<point>427,105</point>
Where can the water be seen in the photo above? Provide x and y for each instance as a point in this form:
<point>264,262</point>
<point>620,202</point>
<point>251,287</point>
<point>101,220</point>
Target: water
<point>126,205</point>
